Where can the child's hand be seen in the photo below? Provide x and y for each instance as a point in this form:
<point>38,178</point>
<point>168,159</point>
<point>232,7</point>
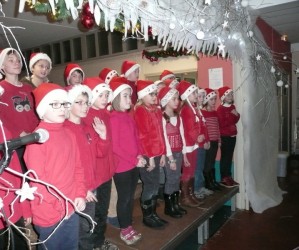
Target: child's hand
<point>141,162</point>
<point>200,138</point>
<point>151,165</point>
<point>27,221</point>
<point>162,161</point>
<point>90,197</point>
<point>100,127</point>
<point>186,162</point>
<point>172,166</point>
<point>80,204</point>
<point>206,146</point>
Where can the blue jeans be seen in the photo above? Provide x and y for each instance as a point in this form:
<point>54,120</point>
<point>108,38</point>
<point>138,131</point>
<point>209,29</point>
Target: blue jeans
<point>200,163</point>
<point>85,241</point>
<point>66,236</point>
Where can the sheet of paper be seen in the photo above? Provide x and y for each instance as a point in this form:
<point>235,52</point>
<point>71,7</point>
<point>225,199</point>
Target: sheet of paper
<point>215,78</point>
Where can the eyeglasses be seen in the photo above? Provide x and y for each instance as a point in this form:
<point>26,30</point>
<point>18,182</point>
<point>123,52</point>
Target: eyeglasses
<point>81,103</point>
<point>153,94</point>
<point>58,105</point>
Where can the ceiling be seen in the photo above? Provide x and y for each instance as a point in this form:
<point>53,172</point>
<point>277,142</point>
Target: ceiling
<point>282,15</point>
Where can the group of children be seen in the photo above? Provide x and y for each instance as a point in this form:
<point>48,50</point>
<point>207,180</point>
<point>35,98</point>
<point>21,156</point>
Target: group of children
<point>109,131</point>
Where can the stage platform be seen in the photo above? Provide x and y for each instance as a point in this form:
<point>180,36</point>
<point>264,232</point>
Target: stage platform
<point>177,230</point>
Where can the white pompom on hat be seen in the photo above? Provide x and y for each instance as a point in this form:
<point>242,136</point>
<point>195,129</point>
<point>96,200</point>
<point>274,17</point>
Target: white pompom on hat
<point>35,57</point>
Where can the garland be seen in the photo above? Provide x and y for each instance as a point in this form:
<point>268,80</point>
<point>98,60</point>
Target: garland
<point>155,55</point>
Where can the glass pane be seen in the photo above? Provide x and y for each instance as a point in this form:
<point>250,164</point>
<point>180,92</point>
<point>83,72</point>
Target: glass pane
<point>77,49</point>
<point>131,44</point>
<point>66,51</point>
<point>47,49</point>
<point>91,46</point>
<point>56,52</point>
<point>103,43</point>
<point>116,40</point>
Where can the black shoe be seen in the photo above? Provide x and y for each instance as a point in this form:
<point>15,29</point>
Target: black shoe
<point>176,205</point>
<point>154,205</point>
<point>148,217</point>
<point>169,207</point>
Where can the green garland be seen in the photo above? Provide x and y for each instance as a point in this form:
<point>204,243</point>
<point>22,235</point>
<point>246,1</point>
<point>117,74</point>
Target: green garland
<point>155,55</point>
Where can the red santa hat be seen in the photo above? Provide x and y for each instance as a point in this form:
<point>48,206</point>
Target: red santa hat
<point>45,94</point>
<point>200,90</point>
<point>69,69</point>
<point>77,90</point>
<point>185,89</point>
<point>35,57</point>
<point>3,54</point>
<point>97,86</point>
<point>145,87</point>
<point>172,83</point>
<point>223,92</point>
<point>165,95</point>
<point>128,67</point>
<point>107,74</point>
<point>117,85</point>
<point>166,74</point>
<point>210,94</point>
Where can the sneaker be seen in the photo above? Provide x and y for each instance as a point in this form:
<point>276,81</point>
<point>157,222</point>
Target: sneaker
<point>199,195</point>
<point>234,182</point>
<point>206,191</point>
<point>227,182</point>
<point>131,238</point>
<point>107,245</point>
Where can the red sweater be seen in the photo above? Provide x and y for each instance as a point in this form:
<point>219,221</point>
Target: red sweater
<point>105,166</point>
<point>57,162</point>
<point>125,141</point>
<point>150,130</point>
<point>212,124</point>
<point>227,120</point>
<point>191,127</point>
<point>17,110</point>
<point>12,182</point>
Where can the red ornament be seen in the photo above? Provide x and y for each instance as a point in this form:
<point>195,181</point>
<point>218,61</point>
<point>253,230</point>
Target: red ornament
<point>87,21</point>
<point>86,10</point>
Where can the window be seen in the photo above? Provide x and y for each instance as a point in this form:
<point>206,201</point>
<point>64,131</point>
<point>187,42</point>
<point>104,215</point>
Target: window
<point>103,43</point>
<point>91,46</point>
<point>116,40</point>
<point>77,49</point>
<point>56,53</point>
<point>66,51</point>
<point>47,50</point>
<point>131,44</point>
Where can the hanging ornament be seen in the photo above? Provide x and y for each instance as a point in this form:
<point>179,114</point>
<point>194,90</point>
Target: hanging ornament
<point>279,83</point>
<point>244,3</point>
<point>86,11</point>
<point>200,35</point>
<point>249,33</point>
<point>286,86</point>
<point>272,69</point>
<point>87,21</point>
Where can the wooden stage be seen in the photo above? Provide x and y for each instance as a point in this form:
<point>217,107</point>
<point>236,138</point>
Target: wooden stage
<point>177,230</point>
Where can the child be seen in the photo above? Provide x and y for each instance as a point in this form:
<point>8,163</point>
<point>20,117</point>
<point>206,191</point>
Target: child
<point>188,94</point>
<point>175,147</point>
<point>88,142</point>
<point>199,188</point>
<point>73,75</point>
<point>130,70</point>
<point>105,167</point>
<point>228,117</point>
<point>107,74</point>
<point>150,131</point>
<point>21,215</point>
<point>127,152</point>
<point>57,162</point>
<point>40,65</point>
<point>166,74</point>
<point>17,112</point>
<point>212,123</point>
<point>171,83</point>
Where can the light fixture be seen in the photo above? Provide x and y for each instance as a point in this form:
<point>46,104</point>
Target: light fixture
<point>284,38</point>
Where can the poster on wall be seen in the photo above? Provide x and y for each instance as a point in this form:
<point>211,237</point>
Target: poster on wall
<point>215,78</point>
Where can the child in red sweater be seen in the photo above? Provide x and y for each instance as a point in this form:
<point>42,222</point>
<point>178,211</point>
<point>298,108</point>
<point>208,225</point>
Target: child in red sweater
<point>127,153</point>
<point>228,117</point>
<point>73,75</point>
<point>150,132</point>
<point>57,162</point>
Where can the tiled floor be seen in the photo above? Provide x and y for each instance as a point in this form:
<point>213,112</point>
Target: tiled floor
<point>275,229</point>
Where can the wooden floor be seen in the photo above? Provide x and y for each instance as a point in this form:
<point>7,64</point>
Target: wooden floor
<point>177,230</point>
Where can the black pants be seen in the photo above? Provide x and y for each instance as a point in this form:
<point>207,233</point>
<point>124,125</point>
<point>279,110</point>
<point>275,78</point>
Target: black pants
<point>211,154</point>
<point>227,151</point>
<point>125,184</point>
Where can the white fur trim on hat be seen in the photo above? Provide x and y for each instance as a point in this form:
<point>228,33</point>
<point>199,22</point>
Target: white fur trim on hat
<point>147,90</point>
<point>3,55</point>
<point>188,91</point>
<point>168,97</point>
<point>77,90</point>
<point>120,89</point>
<point>71,71</point>
<point>209,96</point>
<point>225,94</point>
<point>158,82</point>
<point>56,94</point>
<point>202,91</point>
<point>110,75</point>
<point>37,57</point>
<point>167,76</point>
<point>174,83</point>
<point>132,69</point>
<point>99,89</point>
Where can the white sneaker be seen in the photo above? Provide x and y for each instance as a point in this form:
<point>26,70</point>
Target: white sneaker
<point>206,191</point>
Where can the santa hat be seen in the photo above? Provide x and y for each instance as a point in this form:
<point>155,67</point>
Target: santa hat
<point>223,92</point>
<point>165,95</point>
<point>69,69</point>
<point>200,90</point>
<point>166,74</point>
<point>210,94</point>
<point>158,82</point>
<point>77,90</point>
<point>45,94</point>
<point>107,74</point>
<point>145,87</point>
<point>171,83</point>
<point>35,57</point>
<point>97,86</point>
<point>118,84</point>
<point>3,54</point>
<point>128,67</point>
<point>185,89</point>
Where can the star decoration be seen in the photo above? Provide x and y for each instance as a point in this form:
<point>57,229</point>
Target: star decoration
<point>258,57</point>
<point>296,71</point>
<point>221,47</point>
<point>208,2</point>
<point>225,24</point>
<point>26,192</point>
